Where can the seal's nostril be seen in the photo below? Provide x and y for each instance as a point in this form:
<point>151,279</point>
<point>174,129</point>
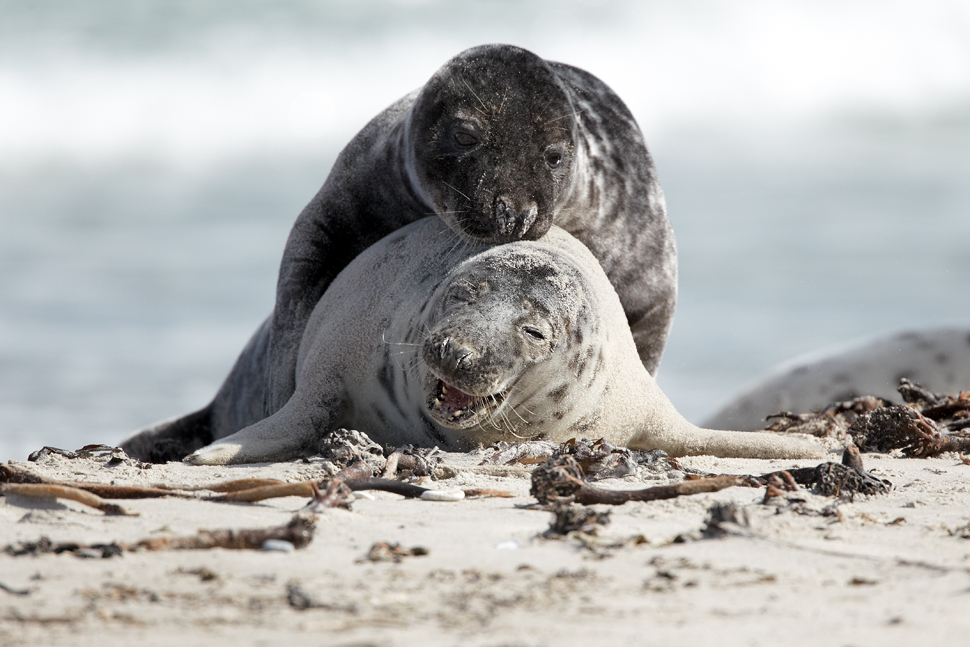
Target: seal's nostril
<point>529,218</point>
<point>444,346</point>
<point>504,216</point>
<point>464,357</point>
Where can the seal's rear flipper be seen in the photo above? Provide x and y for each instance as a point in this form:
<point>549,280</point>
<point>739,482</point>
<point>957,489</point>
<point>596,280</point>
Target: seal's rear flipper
<point>171,440</point>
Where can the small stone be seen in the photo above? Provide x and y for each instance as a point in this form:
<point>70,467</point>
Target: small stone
<point>278,545</point>
<point>443,495</point>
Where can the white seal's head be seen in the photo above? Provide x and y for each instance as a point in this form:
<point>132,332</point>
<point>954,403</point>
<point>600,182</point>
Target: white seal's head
<point>510,331</point>
<point>492,137</point>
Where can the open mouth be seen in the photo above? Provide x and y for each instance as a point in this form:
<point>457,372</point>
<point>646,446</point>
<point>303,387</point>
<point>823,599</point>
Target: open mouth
<point>454,408</point>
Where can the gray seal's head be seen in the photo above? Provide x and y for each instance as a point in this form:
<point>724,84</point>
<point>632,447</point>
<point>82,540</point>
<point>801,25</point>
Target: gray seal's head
<point>502,327</point>
<point>492,137</point>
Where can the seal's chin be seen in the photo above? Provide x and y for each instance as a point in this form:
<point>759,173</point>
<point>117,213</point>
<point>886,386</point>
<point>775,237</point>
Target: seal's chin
<point>453,408</point>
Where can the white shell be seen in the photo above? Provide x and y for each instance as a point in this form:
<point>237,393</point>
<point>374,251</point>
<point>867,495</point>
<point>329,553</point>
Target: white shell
<point>279,545</point>
<point>443,495</point>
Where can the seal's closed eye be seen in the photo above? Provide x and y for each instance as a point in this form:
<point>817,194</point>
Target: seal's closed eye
<point>534,333</point>
<point>465,139</point>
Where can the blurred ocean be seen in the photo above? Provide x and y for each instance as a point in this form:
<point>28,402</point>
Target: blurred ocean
<point>153,155</point>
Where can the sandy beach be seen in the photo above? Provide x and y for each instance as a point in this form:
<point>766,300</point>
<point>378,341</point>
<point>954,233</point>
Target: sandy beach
<point>887,569</point>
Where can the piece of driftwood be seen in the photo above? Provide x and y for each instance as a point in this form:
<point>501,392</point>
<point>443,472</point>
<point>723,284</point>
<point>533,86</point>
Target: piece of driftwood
<point>235,485</point>
<point>562,477</point>
<point>14,474</point>
<point>852,458</point>
<point>44,490</point>
<point>263,492</point>
<point>357,477</point>
<point>298,531</point>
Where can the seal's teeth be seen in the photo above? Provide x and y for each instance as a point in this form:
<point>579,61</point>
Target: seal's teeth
<point>437,402</point>
<point>458,413</point>
<point>444,389</point>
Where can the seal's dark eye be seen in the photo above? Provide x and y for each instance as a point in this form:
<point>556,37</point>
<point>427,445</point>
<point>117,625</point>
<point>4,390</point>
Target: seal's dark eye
<point>465,140</point>
<point>535,333</point>
<point>553,158</point>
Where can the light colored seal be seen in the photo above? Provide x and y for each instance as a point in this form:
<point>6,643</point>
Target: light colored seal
<point>425,342</point>
<point>938,359</point>
<point>500,144</point>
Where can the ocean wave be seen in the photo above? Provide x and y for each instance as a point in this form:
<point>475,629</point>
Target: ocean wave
<point>220,84</point>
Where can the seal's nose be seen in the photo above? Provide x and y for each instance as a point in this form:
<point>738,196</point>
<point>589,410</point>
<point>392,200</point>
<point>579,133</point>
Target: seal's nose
<point>511,224</point>
<point>451,356</point>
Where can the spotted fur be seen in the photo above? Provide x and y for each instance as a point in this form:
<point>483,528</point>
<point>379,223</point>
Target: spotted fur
<point>501,144</point>
<point>395,356</point>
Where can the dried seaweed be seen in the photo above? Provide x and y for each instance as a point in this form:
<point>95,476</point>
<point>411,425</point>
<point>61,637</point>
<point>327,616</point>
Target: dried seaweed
<point>567,518</point>
<point>835,479</point>
<point>529,452</point>
<point>726,519</point>
<point>562,478</point>
<point>114,455</point>
<point>904,428</point>
<point>410,462</point>
<point>344,447</point>
<point>44,546</point>
<point>384,551</point>
<point>927,425</point>
<point>829,479</point>
<point>12,591</point>
<point>831,422</point>
<point>599,459</point>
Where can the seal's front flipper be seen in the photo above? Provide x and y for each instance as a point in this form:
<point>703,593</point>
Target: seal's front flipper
<point>171,440</point>
<point>281,437</point>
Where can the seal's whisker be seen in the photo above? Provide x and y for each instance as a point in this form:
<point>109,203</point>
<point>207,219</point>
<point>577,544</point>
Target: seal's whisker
<point>574,113</point>
<point>412,369</point>
<point>512,433</point>
<point>542,110</point>
<point>476,96</point>
<point>503,418</point>
<point>458,246</point>
<point>512,409</point>
<point>395,343</point>
<point>483,402</point>
<point>456,191</point>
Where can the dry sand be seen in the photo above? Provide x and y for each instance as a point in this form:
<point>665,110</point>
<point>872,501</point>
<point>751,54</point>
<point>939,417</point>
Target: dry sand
<point>881,570</point>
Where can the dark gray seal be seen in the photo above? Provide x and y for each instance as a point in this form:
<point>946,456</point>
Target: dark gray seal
<point>500,144</point>
<point>421,341</point>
